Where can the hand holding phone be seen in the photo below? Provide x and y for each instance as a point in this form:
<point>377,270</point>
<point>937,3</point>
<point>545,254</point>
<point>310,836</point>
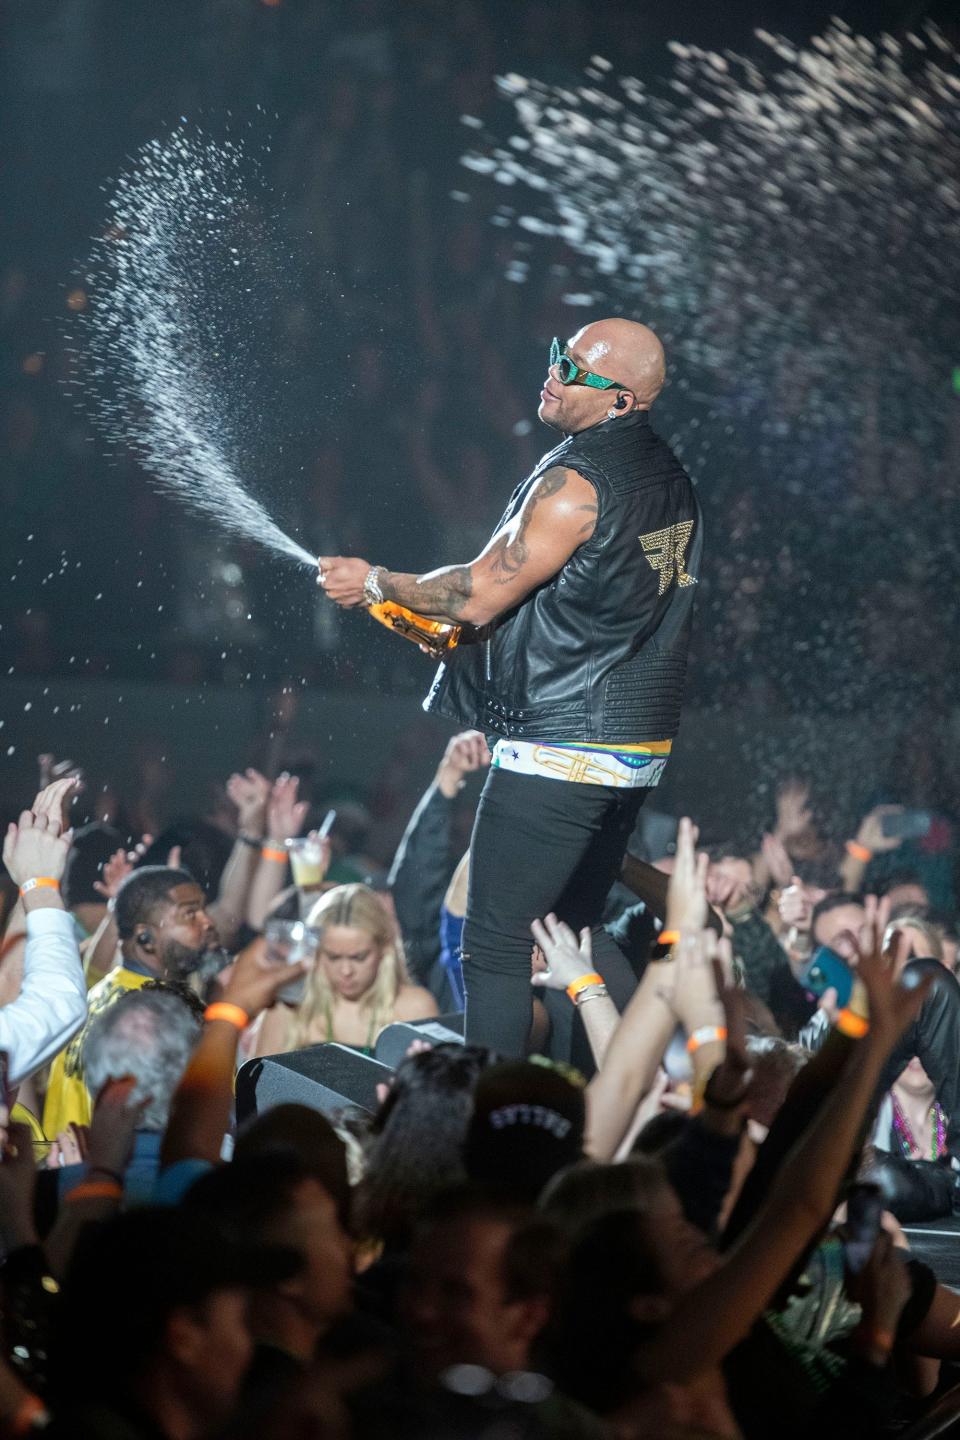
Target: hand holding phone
<point>826,970</point>
<point>864,1214</point>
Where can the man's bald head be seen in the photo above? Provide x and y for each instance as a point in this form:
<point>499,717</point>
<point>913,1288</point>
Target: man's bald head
<point>618,349</point>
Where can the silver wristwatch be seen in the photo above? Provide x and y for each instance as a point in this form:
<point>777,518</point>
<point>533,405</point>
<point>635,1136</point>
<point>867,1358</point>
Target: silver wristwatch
<point>371,586</point>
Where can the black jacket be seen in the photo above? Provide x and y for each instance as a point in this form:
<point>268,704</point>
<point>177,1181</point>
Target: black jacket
<point>598,652</point>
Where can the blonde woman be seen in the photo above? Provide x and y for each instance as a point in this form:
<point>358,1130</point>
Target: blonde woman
<point>358,985</point>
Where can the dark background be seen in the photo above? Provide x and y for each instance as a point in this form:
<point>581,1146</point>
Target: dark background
<point>407,368</point>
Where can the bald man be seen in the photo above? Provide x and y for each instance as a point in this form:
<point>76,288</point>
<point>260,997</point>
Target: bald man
<point>576,618</point>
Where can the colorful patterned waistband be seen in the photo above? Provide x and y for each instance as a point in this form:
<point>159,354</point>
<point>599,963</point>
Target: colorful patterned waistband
<point>633,767</point>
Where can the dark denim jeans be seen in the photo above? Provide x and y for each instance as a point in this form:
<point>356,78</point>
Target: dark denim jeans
<point>538,845</point>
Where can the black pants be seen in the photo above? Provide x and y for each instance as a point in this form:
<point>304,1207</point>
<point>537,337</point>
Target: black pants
<point>538,845</point>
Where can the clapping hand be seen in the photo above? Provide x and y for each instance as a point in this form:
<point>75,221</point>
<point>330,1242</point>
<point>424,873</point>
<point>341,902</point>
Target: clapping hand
<point>285,813</point>
<point>250,792</point>
<point>36,844</point>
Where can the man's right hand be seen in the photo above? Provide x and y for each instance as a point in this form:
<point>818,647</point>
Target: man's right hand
<point>465,753</point>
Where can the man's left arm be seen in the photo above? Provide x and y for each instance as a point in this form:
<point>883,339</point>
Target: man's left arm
<point>558,516</point>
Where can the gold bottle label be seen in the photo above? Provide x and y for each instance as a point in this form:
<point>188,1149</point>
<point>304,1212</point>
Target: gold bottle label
<point>437,636</point>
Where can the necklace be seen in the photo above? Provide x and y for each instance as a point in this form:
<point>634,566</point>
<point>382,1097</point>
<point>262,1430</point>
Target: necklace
<point>905,1137</point>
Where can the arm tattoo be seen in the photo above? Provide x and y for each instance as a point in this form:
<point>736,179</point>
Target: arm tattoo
<point>442,594</point>
<point>509,552</point>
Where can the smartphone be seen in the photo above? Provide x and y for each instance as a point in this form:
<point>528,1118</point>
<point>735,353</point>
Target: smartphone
<point>907,824</point>
<point>826,970</point>
<point>864,1211</point>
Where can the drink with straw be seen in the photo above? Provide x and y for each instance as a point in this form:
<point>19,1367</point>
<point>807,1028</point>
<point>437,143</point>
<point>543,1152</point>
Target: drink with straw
<point>308,855</point>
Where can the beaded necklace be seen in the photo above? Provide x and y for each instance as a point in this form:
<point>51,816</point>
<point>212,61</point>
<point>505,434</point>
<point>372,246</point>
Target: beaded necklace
<point>905,1137</point>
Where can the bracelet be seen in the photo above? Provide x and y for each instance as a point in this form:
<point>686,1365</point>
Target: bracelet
<point>582,982</point>
<point>668,937</point>
<point>39,882</point>
<point>223,1010</point>
<point>254,841</point>
<point>371,587</point>
<point>859,852</point>
<point>705,1036</point>
<point>96,1190</point>
<point>593,992</point>
<point>103,1170</point>
<point>270,852</point>
<point>28,1412</point>
<point>852,1024</point>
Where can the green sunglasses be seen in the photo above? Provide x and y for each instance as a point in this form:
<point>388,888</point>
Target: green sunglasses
<point>570,373</point>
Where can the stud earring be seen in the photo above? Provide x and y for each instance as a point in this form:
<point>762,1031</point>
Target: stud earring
<point>611,413</point>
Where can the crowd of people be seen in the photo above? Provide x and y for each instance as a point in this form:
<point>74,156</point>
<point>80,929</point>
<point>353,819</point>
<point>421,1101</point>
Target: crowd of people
<point>679,1218</point>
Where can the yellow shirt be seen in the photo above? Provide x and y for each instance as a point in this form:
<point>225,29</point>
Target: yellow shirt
<point>68,1100</point>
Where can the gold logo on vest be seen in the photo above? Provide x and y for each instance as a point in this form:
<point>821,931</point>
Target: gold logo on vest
<point>665,550</point>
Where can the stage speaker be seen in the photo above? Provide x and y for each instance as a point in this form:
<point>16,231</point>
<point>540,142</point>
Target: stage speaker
<point>326,1077</point>
<point>394,1041</point>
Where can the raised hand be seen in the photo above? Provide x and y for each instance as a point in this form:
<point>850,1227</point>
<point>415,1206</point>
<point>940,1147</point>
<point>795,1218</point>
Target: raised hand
<point>35,845</point>
<point>687,890</point>
<point>797,902</point>
<point>250,792</point>
<point>870,833</point>
<point>115,871</point>
<point>465,753</point>
<point>285,813</point>
<point>567,957</point>
<point>892,1007</point>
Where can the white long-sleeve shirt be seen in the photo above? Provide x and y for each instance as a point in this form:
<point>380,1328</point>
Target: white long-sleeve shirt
<point>52,1004</point>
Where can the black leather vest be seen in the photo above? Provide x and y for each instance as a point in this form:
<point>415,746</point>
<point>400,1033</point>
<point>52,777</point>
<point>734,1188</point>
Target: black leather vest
<point>599,651</point>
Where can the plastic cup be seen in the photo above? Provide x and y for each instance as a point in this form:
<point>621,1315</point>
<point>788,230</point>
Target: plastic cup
<point>306,862</point>
<point>290,941</point>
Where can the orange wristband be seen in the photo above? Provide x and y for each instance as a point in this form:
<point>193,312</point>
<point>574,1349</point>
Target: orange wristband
<point>270,853</point>
<point>859,852</point>
<point>223,1010</point>
<point>851,1024</point>
<point>96,1190</point>
<point>668,937</point>
<point>583,982</point>
<point>706,1035</point>
<point>39,882</point>
<point>30,1409</point>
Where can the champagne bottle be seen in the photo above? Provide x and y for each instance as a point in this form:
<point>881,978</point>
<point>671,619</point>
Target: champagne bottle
<point>436,636</point>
